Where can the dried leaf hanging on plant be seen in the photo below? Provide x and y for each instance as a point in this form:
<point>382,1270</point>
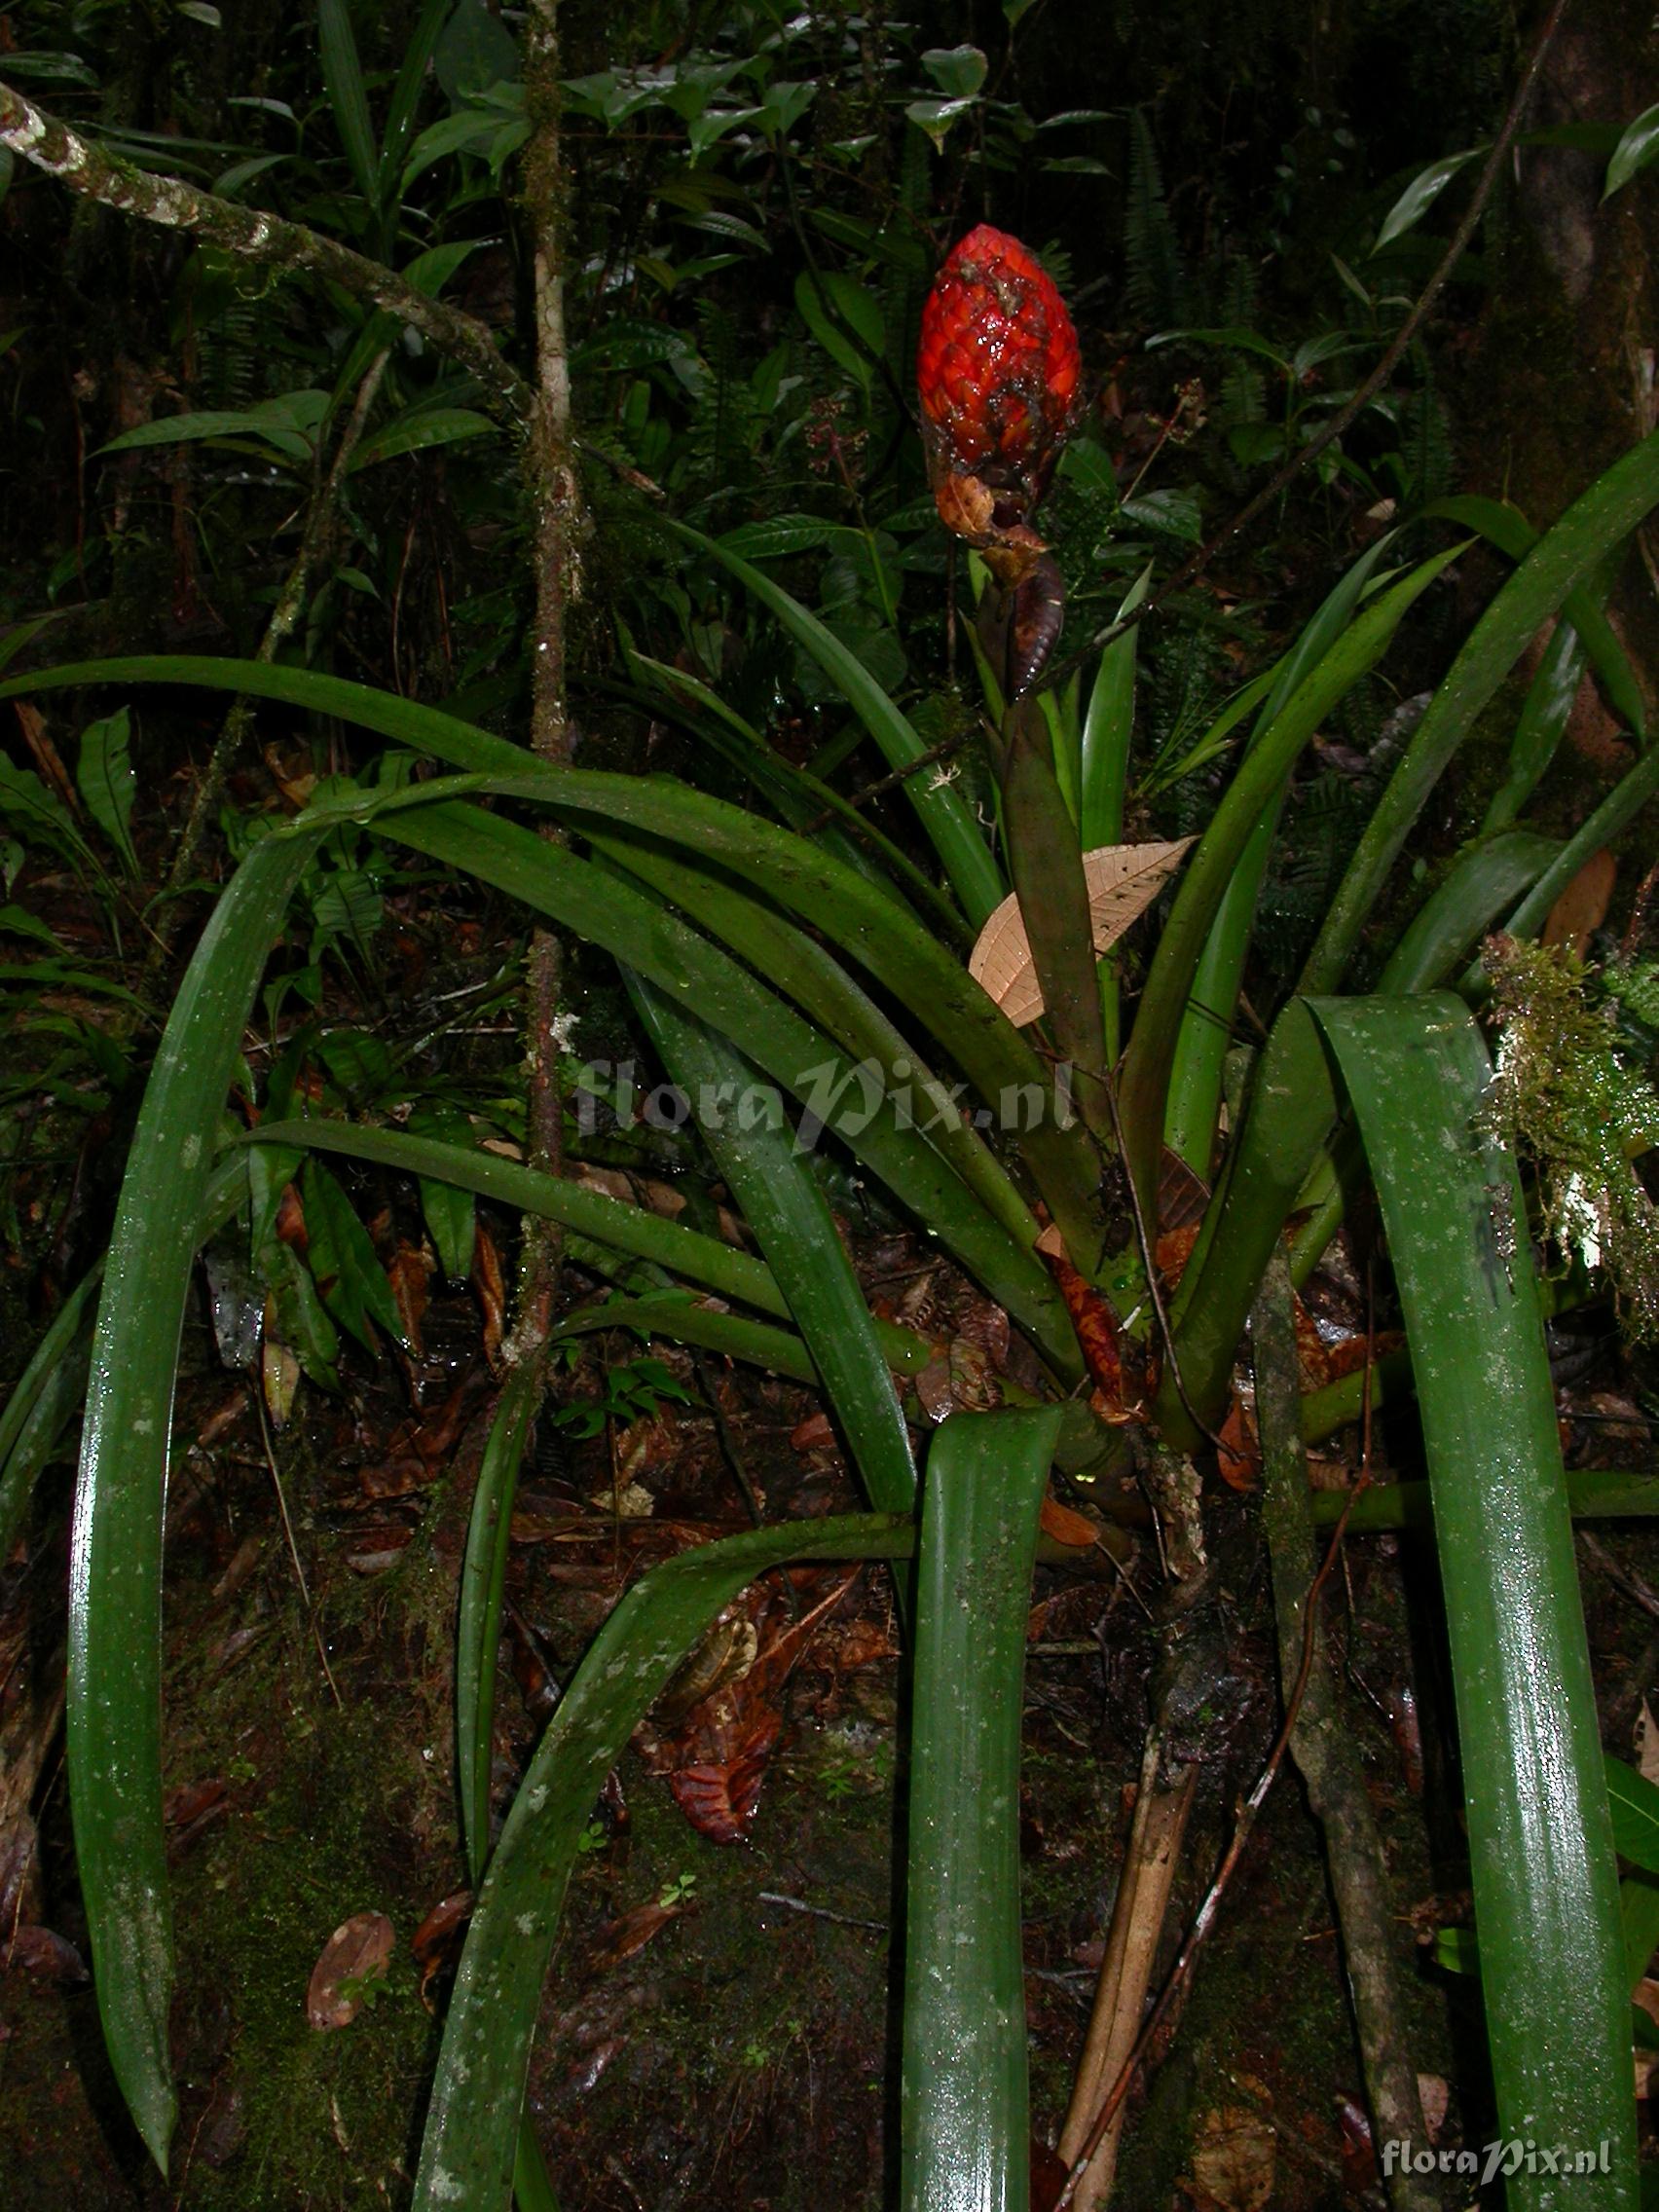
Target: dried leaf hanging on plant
<point>1123,882</point>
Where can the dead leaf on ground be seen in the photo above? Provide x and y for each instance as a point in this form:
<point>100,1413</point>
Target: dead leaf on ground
<point>492,1288</point>
<point>1122,881</point>
<point>45,1954</point>
<point>187,1810</point>
<point>409,1273</point>
<point>618,1939</point>
<point>1233,2157</point>
<point>716,1758</point>
<point>1067,1527</point>
<point>418,1448</point>
<point>436,1943</point>
<point>358,1952</point>
<point>1238,1460</point>
<point>721,1800</point>
<point>378,1546</point>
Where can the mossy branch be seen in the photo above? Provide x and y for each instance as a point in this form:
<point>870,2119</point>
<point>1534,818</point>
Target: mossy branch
<point>254,235</point>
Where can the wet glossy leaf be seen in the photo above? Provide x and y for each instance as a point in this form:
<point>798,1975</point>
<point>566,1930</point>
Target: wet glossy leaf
<point>1639,146</point>
<point>115,1690</point>
<point>964,2098</point>
<point>1421,195</point>
<point>105,779</point>
<point>343,1262</point>
<point>1540,1842</point>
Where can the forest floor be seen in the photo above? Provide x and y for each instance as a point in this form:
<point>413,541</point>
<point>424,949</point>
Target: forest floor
<point>718,2025</point>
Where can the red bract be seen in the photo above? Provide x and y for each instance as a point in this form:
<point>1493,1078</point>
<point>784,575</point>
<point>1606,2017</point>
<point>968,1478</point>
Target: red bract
<point>998,367</point>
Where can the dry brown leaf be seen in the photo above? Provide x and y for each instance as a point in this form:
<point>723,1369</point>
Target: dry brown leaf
<point>358,1952</point>
<point>1582,906</point>
<point>492,1287</point>
<point>47,758</point>
<point>1234,2159</point>
<point>1066,1526</point>
<point>619,1940</point>
<point>436,1943</point>
<point>410,1272</point>
<point>1123,882</point>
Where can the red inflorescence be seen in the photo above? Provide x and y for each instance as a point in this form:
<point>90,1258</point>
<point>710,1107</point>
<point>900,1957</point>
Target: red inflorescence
<point>998,365</point>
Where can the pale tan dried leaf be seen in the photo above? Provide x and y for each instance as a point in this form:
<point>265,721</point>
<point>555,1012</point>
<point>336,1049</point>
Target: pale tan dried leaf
<point>1122,881</point>
<point>1646,1744</point>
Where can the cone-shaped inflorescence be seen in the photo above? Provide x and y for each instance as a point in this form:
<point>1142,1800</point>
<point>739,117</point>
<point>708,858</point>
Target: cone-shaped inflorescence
<point>998,375</point>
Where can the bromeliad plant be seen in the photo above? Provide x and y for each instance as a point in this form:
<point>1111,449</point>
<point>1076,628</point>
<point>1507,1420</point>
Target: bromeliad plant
<point>782,974</point>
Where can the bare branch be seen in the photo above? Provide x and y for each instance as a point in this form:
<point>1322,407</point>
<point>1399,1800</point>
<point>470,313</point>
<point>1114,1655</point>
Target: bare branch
<point>254,235</point>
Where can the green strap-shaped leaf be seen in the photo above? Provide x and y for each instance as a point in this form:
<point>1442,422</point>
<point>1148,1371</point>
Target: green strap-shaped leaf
<point>684,1320</point>
<point>963,2096</point>
<point>1485,879</point>
<point>1563,558</point>
<point>1046,863</point>
<point>53,1388</point>
<point>406,98</point>
<point>1192,1107</point>
<point>942,812</point>
<point>790,1215</point>
<point>1535,1793</point>
<point>797,797</point>
<point>1544,717</point>
<point>793,962</point>
<point>1638,147</point>
<point>868,923</point>
<point>871,924</point>
<point>478,1627</point>
<point>1103,769</point>
<point>1291,1109</point>
<point>115,1585</point>
<point>467,2156</point>
<point>1145,1082</point>
<point>1108,730</point>
<point>48,1393</point>
<point>635,1229</point>
<point>340,1256</point>
<point>1508,529</point>
<point>609,911</point>
<point>342,74</point>
<point>613,1224</point>
<point>1621,806</point>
